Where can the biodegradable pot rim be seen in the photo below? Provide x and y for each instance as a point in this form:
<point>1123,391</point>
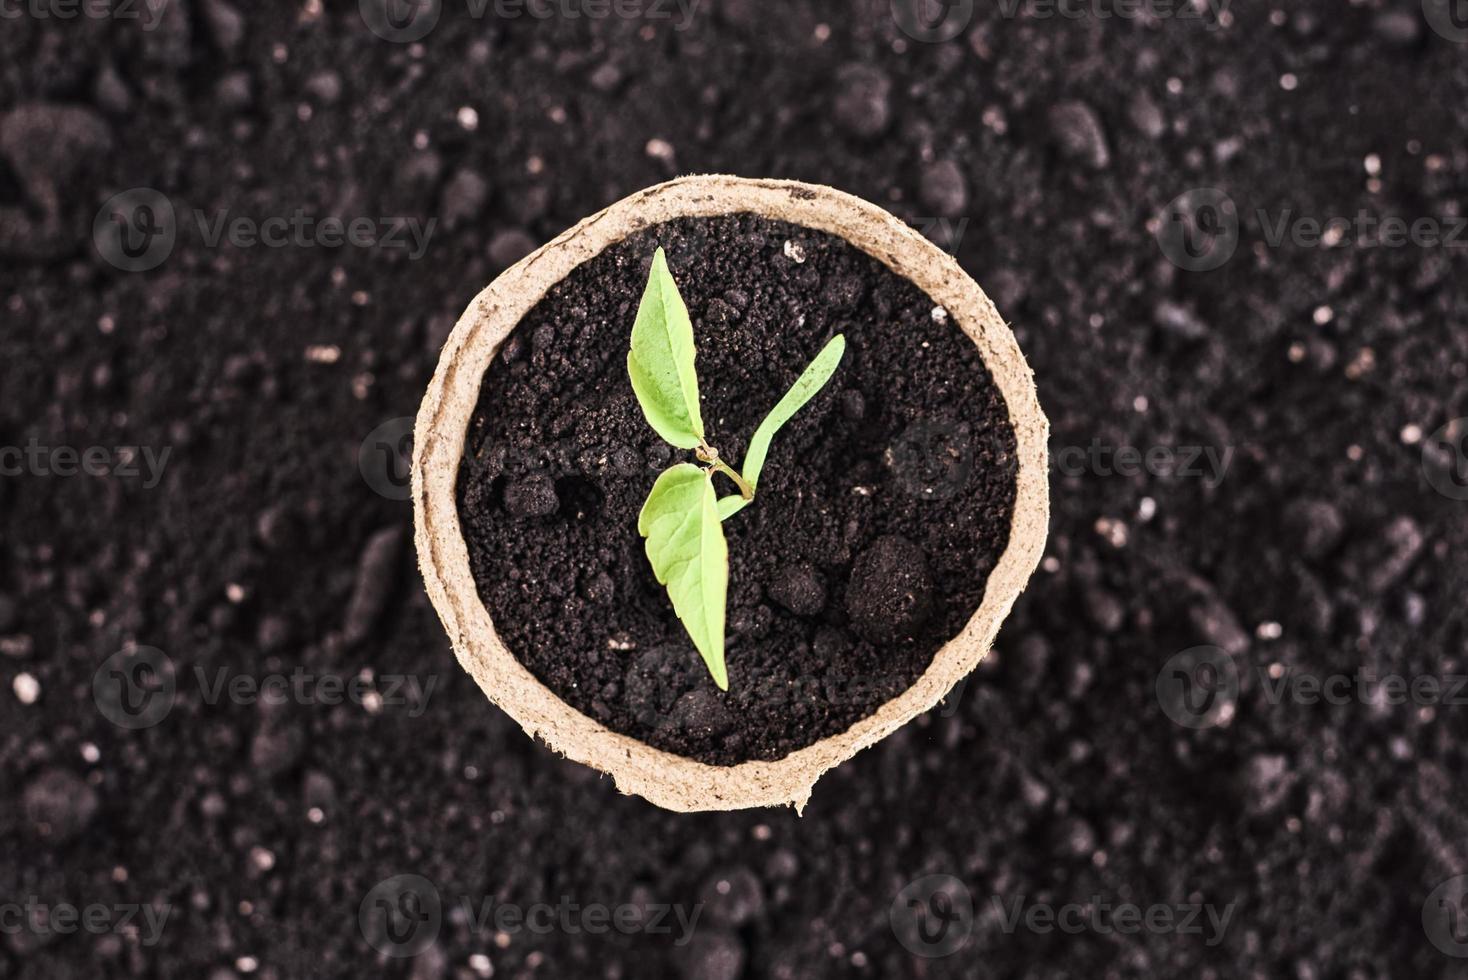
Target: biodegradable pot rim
<point>664,778</point>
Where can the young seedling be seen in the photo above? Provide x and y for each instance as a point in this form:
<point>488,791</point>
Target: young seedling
<point>682,517</point>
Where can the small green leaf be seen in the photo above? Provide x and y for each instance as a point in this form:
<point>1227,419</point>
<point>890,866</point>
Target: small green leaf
<point>686,546</point>
<point>660,362</point>
<point>731,505</point>
<point>812,380</point>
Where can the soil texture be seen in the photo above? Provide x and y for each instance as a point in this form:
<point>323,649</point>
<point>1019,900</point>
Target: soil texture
<point>882,506</point>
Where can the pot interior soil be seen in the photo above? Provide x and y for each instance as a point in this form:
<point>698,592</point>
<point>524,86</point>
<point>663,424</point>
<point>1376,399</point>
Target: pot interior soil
<point>882,508</point>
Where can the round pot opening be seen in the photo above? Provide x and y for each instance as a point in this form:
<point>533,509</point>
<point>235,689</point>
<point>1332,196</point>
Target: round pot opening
<point>825,234</point>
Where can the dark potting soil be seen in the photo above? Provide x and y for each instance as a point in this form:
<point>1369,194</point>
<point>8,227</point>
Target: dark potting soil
<point>1056,776</point>
<point>882,508</point>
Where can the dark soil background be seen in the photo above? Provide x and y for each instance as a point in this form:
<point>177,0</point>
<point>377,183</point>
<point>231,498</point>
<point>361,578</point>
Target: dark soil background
<point>1054,774</point>
<point>865,554</point>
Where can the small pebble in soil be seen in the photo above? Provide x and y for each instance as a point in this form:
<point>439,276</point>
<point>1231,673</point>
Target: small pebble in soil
<point>1147,116</point>
<point>278,530</point>
<point>325,86</point>
<point>598,588</point>
<point>27,688</point>
<point>1314,527</point>
<point>606,77</point>
<point>277,747</point>
<point>720,313</point>
<point>943,190</point>
<point>531,496</point>
<point>318,792</point>
<point>1178,320</point>
<point>733,898</point>
<point>226,24</point>
<point>463,198</point>
<point>862,105</point>
<point>1105,610</point>
<point>891,591</point>
<point>1078,135</point>
<point>700,712</point>
<point>843,293</point>
<point>111,93</point>
<point>1264,783</point>
<point>1218,626</point>
<point>376,577</point>
<point>1075,837</point>
<point>711,955</point>
<point>235,90</point>
<point>830,644</point>
<point>59,805</point>
<point>800,589</point>
<point>509,246</point>
<point>273,634</point>
<point>1390,555</point>
<point>1398,28</point>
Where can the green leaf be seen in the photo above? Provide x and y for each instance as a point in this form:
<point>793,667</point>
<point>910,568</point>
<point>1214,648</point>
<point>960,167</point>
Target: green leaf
<point>731,505</point>
<point>686,546</point>
<point>660,362</point>
<point>811,381</point>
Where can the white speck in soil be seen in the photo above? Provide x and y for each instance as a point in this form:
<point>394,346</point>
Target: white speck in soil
<point>27,688</point>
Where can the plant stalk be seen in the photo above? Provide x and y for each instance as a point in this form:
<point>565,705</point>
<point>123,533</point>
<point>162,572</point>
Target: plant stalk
<point>710,455</point>
<point>745,490</point>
